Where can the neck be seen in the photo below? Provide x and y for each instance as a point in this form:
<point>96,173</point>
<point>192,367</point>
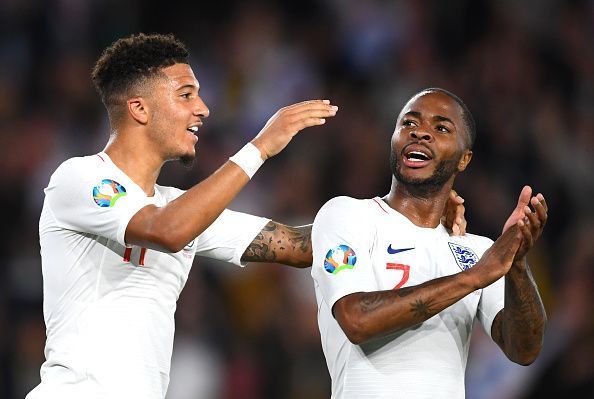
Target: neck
<point>138,160</point>
<point>423,208</point>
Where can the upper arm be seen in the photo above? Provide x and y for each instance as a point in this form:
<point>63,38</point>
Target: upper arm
<point>342,238</point>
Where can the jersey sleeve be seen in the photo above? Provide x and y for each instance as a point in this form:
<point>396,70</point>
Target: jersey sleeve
<point>229,236</point>
<point>88,198</point>
<point>342,239</point>
<point>491,302</point>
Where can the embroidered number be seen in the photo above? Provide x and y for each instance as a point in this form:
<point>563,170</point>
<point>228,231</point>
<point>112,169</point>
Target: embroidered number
<point>405,272</point>
<point>128,253</point>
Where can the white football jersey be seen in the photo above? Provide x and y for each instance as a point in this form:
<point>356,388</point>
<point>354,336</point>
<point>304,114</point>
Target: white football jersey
<point>108,307</point>
<point>363,246</point>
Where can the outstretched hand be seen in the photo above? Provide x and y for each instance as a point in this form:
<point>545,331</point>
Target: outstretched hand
<point>453,215</point>
<point>288,121</point>
<point>530,223</point>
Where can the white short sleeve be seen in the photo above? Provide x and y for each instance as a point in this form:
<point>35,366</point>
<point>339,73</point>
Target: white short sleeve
<point>492,297</point>
<point>342,239</point>
<point>229,236</point>
<point>87,195</point>
<point>491,302</point>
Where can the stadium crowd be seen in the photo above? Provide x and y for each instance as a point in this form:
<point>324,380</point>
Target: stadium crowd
<point>526,70</point>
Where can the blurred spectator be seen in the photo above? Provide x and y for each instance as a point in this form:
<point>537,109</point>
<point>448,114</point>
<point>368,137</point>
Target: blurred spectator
<point>526,69</point>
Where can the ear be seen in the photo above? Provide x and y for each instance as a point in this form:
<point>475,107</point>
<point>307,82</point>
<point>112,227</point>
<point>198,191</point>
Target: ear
<point>464,160</point>
<point>138,109</point>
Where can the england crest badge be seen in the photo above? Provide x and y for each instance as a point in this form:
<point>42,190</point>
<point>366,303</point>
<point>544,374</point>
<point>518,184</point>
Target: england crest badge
<point>465,257</point>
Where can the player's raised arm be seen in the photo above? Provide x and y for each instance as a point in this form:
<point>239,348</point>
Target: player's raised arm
<point>171,227</point>
<point>518,329</point>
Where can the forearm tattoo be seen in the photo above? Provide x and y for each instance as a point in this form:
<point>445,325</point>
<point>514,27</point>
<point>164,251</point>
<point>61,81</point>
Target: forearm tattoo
<point>418,307</point>
<point>260,249</point>
<point>519,327</point>
<point>283,244</point>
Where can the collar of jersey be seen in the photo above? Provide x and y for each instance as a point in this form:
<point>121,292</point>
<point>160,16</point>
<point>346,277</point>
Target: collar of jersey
<point>394,213</point>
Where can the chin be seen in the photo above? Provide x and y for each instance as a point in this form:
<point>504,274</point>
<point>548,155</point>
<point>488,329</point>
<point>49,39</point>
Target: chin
<point>425,181</point>
<point>187,160</point>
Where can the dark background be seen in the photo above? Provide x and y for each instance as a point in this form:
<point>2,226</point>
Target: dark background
<point>526,70</point>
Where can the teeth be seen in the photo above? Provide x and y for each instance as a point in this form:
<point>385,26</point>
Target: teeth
<point>193,129</point>
<point>417,156</point>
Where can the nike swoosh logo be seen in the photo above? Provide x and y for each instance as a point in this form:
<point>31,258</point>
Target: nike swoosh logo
<point>392,251</point>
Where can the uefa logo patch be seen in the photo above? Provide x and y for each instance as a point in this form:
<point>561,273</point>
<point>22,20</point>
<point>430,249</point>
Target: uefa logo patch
<point>465,257</point>
<point>339,258</point>
<point>107,193</point>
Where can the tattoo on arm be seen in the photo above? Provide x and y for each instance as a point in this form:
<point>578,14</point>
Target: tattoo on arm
<point>421,309</point>
<point>518,328</point>
<point>418,307</point>
<point>259,250</point>
<point>282,244</point>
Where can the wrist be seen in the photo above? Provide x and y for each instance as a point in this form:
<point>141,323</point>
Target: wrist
<point>520,262</point>
<point>249,159</point>
<point>470,280</point>
<point>263,154</point>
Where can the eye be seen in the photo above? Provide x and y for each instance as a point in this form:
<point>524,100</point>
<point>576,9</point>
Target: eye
<point>442,129</point>
<point>186,96</point>
<point>408,122</point>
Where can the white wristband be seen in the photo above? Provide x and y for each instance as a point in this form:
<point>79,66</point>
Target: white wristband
<point>249,159</point>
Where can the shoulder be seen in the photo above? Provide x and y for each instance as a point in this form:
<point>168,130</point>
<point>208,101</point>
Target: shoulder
<point>344,213</point>
<point>344,204</point>
<point>341,207</point>
<point>90,165</point>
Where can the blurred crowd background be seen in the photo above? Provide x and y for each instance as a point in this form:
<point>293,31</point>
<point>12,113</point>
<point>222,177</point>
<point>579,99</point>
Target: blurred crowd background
<point>525,68</point>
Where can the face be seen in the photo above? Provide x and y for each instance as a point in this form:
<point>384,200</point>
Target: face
<point>429,144</point>
<point>175,113</point>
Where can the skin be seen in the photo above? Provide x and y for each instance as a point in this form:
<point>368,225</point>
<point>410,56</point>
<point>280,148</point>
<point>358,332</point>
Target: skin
<point>518,329</point>
<point>153,130</point>
<point>150,128</point>
<point>291,246</point>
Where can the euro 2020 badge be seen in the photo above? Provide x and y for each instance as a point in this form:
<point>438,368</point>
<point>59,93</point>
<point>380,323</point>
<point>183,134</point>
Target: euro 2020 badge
<point>339,258</point>
<point>106,193</point>
<point>465,257</point>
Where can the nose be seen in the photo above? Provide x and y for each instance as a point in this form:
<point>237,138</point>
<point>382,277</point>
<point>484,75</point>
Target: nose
<point>200,109</point>
<point>421,134</point>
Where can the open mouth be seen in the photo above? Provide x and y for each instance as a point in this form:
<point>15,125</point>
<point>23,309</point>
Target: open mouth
<point>193,129</point>
<point>416,156</point>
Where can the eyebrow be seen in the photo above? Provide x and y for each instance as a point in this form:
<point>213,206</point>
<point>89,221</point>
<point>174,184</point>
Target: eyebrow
<point>189,86</point>
<point>440,118</point>
<point>443,119</point>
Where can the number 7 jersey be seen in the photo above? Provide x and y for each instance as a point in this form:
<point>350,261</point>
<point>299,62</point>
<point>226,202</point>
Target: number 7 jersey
<point>364,246</point>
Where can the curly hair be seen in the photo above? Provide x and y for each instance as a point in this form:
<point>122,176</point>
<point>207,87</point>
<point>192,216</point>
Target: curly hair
<point>132,60</point>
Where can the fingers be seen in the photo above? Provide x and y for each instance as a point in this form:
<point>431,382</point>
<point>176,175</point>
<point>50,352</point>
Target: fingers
<point>524,198</point>
<point>540,205</point>
<point>463,225</point>
<point>538,218</point>
<point>453,215</point>
<point>306,114</point>
<point>518,212</point>
<point>319,105</point>
<point>459,222</point>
